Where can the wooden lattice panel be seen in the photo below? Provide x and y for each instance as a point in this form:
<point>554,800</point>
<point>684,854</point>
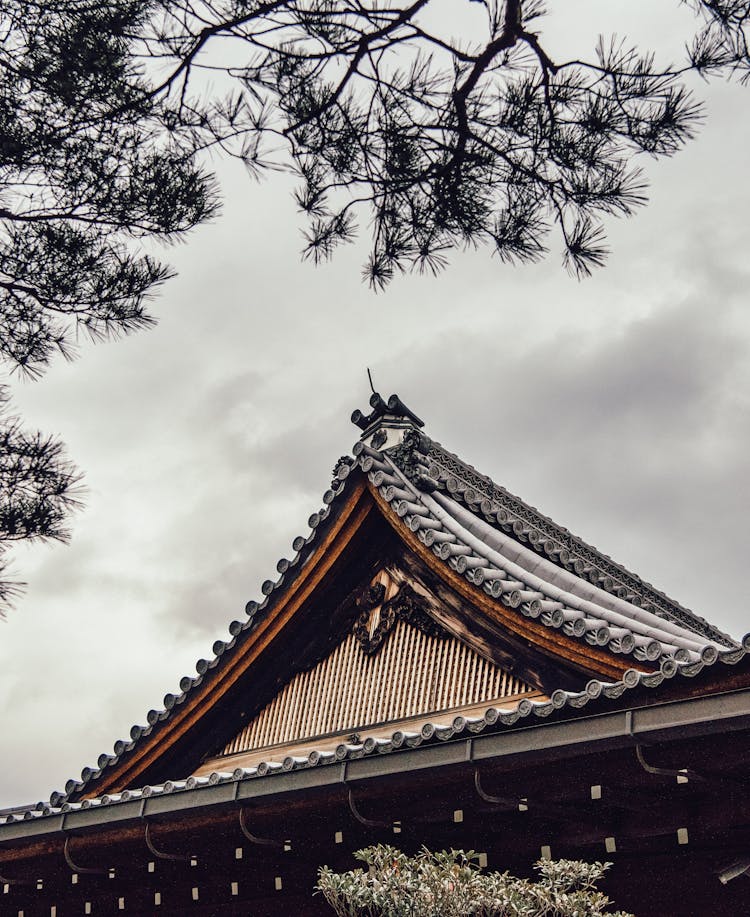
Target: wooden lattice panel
<point>412,674</point>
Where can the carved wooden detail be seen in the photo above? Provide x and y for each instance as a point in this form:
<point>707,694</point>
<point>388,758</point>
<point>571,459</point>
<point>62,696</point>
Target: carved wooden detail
<point>379,616</point>
<point>396,663</point>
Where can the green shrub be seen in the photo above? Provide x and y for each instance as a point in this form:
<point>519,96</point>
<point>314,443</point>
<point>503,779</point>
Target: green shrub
<point>451,884</point>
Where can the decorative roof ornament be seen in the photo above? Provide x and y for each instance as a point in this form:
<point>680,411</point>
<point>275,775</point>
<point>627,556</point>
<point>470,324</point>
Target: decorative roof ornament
<point>393,409</point>
<point>378,616</point>
<point>341,471</point>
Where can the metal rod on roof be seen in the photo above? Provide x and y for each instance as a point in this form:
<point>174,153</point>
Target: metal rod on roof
<point>253,838</point>
<point>510,804</point>
<point>397,826</point>
<point>542,810</point>
<point>661,771</point>
<point>683,774</point>
<point>4,880</point>
<point>367,822</point>
<point>85,870</point>
<point>161,854</point>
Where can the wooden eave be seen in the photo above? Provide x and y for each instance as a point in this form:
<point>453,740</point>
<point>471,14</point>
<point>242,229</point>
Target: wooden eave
<point>552,766</point>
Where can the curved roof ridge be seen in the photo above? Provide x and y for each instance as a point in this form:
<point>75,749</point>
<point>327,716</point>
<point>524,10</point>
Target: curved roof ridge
<point>509,513</point>
<point>630,631</point>
<point>569,582</point>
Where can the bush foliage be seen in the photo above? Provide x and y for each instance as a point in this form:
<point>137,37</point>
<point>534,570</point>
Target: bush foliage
<point>451,884</point>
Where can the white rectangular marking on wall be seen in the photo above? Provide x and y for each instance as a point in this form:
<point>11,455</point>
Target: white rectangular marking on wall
<point>610,845</point>
<point>157,898</point>
<point>195,893</point>
<point>277,883</point>
<point>682,835</point>
<point>235,888</point>
<point>546,852</point>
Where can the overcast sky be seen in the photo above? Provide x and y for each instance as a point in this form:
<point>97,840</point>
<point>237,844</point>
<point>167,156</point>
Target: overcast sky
<point>618,406</point>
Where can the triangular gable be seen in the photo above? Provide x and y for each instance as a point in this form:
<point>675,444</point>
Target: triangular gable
<point>303,611</point>
<point>394,668</point>
<point>525,603</point>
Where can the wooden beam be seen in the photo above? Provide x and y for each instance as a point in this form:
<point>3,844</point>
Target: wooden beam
<point>349,518</point>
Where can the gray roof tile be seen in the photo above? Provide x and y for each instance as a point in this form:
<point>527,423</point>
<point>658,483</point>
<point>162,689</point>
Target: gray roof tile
<point>519,578</point>
<point>493,719</point>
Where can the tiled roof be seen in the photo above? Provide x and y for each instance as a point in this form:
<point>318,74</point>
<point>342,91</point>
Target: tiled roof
<point>465,519</point>
<point>527,525</point>
<point>460,534</point>
<point>428,463</point>
<point>562,704</point>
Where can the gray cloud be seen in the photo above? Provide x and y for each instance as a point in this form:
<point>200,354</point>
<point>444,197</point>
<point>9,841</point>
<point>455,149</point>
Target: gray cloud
<point>618,406</point>
<point>636,439</point>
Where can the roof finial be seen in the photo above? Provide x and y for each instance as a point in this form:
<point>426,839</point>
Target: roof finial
<point>394,407</point>
<point>369,376</point>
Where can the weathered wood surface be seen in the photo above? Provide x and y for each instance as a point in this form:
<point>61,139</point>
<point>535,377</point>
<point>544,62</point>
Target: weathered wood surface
<point>410,675</point>
<point>641,811</point>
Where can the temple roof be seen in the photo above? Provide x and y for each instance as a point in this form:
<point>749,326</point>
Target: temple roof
<point>496,552</point>
<point>492,523</point>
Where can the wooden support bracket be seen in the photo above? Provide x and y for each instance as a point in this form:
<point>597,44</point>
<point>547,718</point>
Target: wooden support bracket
<point>161,854</point>
<point>253,838</point>
<point>74,867</point>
